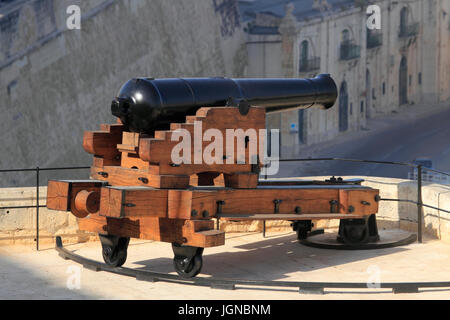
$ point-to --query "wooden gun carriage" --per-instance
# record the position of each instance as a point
(137, 190)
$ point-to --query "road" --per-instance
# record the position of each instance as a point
(397, 137)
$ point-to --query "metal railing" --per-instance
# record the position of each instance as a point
(37, 170)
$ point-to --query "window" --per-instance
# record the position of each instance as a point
(407, 28)
(403, 20)
(304, 55)
(345, 35)
(362, 106)
(308, 62)
(384, 88)
(348, 50)
(419, 78)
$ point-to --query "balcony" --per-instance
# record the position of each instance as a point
(349, 50)
(374, 40)
(409, 30)
(307, 65)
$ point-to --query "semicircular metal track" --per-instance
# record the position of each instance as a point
(303, 287)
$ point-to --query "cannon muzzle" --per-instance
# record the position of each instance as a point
(147, 104)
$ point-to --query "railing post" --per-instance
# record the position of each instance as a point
(264, 228)
(37, 208)
(419, 203)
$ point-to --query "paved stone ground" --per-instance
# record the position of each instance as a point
(27, 274)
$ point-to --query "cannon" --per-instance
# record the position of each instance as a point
(137, 190)
(147, 104)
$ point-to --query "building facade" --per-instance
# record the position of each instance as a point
(406, 61)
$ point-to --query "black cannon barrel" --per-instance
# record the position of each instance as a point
(147, 104)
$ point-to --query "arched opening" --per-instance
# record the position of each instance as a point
(404, 20)
(403, 81)
(345, 35)
(301, 121)
(343, 107)
(368, 94)
(349, 49)
(304, 53)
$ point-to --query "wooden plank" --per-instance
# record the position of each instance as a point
(93, 223)
(103, 143)
(363, 201)
(241, 180)
(201, 233)
(122, 202)
(101, 162)
(310, 216)
(132, 161)
(130, 142)
(315, 200)
(261, 201)
(186, 204)
(131, 177)
(188, 232)
(58, 195)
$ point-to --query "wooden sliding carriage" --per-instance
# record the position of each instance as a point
(136, 190)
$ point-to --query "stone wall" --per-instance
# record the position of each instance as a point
(19, 225)
(56, 83)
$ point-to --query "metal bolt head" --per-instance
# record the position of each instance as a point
(143, 179)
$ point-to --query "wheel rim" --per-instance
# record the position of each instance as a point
(115, 256)
(186, 268)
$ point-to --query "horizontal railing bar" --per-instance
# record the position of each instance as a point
(416, 203)
(42, 169)
(437, 171)
(351, 160)
(23, 207)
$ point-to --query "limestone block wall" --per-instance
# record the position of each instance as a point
(57, 83)
(18, 226)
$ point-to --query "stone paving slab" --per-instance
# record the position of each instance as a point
(27, 274)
